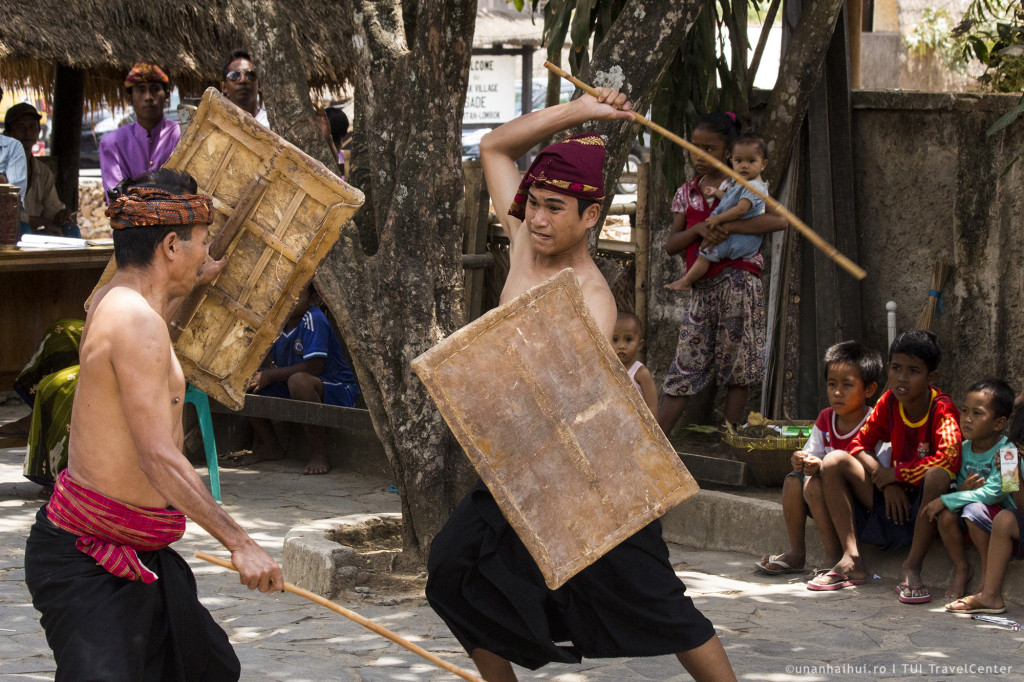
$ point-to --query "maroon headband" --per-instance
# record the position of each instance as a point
(574, 167)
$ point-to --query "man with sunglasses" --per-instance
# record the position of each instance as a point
(242, 86)
(146, 144)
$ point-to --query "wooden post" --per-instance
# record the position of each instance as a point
(527, 79)
(474, 236)
(68, 106)
(854, 26)
(642, 240)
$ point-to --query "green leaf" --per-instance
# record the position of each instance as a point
(580, 29)
(1007, 118)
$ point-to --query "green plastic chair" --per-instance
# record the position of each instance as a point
(202, 404)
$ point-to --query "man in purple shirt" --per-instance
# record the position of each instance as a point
(146, 144)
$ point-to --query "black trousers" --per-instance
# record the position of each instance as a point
(487, 588)
(102, 627)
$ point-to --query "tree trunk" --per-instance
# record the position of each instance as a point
(283, 81)
(800, 71)
(395, 280)
(633, 57)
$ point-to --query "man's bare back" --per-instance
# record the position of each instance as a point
(120, 328)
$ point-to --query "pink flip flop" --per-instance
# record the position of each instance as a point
(903, 588)
(837, 581)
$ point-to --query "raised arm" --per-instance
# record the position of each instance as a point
(500, 148)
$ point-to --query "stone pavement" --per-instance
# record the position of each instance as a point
(773, 628)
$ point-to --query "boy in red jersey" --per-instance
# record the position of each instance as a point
(880, 500)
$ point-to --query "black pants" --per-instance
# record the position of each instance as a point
(487, 588)
(102, 627)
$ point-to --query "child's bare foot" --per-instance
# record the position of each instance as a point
(318, 463)
(679, 285)
(912, 590)
(958, 585)
(853, 568)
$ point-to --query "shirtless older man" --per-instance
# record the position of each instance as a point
(482, 580)
(116, 602)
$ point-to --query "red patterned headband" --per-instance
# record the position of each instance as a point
(144, 72)
(147, 206)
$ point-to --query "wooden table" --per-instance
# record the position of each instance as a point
(36, 288)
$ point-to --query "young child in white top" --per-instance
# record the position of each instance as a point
(627, 340)
(852, 372)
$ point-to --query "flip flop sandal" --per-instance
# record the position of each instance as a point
(840, 581)
(239, 459)
(903, 588)
(971, 605)
(786, 568)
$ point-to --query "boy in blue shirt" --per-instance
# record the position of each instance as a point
(306, 364)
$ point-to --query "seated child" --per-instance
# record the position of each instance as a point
(879, 502)
(979, 495)
(627, 340)
(749, 158)
(852, 372)
(306, 364)
(1005, 543)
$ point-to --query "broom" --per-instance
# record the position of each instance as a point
(933, 308)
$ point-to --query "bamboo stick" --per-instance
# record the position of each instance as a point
(822, 245)
(362, 620)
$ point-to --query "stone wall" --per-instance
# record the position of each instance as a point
(928, 187)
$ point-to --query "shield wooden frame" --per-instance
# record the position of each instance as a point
(556, 429)
(277, 212)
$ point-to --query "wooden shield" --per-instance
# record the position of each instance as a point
(555, 427)
(277, 214)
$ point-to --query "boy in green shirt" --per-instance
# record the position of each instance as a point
(979, 492)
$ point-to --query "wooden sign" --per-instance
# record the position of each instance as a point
(555, 427)
(277, 212)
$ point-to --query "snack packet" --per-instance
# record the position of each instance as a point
(1008, 468)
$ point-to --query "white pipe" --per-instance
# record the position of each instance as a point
(891, 322)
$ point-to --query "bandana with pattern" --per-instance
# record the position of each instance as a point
(144, 72)
(147, 206)
(574, 167)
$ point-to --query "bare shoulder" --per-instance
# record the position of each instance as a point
(122, 315)
(599, 299)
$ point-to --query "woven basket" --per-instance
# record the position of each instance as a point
(767, 458)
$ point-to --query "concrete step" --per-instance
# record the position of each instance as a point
(719, 521)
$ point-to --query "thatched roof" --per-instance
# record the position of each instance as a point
(189, 40)
(507, 27)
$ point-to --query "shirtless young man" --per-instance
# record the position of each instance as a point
(116, 602)
(482, 581)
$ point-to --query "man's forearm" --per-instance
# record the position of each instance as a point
(518, 136)
(174, 478)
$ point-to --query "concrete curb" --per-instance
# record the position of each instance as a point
(314, 560)
(717, 521)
